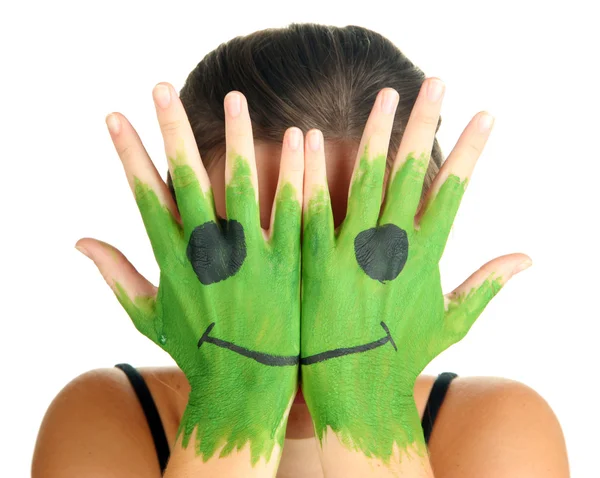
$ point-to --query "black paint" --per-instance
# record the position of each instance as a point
(350, 350)
(217, 251)
(265, 359)
(382, 251)
(285, 360)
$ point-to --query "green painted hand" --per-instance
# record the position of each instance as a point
(235, 336)
(227, 308)
(373, 311)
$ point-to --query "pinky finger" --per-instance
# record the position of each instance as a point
(466, 303)
(135, 293)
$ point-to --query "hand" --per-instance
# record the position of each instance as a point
(373, 311)
(227, 307)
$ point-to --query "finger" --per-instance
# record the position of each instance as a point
(190, 181)
(465, 303)
(444, 196)
(286, 214)
(135, 293)
(156, 205)
(241, 183)
(405, 185)
(318, 230)
(366, 186)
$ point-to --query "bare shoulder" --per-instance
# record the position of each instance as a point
(487, 426)
(496, 427)
(96, 427)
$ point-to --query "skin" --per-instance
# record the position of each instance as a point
(233, 352)
(362, 403)
(504, 411)
(344, 304)
(225, 383)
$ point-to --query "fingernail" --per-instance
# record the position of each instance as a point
(234, 104)
(113, 123)
(522, 266)
(485, 122)
(294, 139)
(83, 251)
(434, 90)
(162, 95)
(390, 97)
(315, 140)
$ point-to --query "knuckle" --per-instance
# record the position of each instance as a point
(473, 148)
(143, 192)
(171, 126)
(370, 184)
(183, 177)
(237, 135)
(315, 163)
(379, 142)
(427, 119)
(126, 152)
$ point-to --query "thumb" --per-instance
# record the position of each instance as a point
(466, 303)
(135, 293)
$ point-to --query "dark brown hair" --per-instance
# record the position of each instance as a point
(305, 75)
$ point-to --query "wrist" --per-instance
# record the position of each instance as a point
(377, 430)
(225, 415)
(239, 463)
(373, 411)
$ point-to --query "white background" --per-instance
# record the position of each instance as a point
(66, 65)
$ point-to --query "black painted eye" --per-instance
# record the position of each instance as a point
(217, 251)
(382, 251)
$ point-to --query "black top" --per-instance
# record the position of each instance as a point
(434, 403)
(156, 427)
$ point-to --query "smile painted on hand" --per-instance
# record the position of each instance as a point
(217, 252)
(284, 360)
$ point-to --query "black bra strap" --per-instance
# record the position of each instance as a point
(436, 397)
(156, 427)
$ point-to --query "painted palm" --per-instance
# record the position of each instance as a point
(227, 308)
(373, 311)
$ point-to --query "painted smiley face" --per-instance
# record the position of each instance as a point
(217, 252)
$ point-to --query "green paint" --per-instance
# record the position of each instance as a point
(234, 400)
(367, 398)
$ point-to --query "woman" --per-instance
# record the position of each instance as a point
(359, 362)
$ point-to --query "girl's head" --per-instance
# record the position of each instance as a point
(308, 76)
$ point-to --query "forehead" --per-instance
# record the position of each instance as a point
(339, 158)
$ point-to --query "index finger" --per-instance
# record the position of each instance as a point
(190, 180)
(443, 199)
